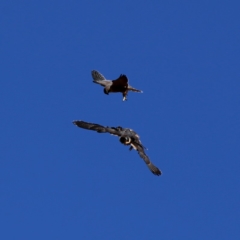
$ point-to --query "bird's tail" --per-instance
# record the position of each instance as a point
(97, 81)
(101, 82)
(97, 75)
(130, 88)
(154, 169)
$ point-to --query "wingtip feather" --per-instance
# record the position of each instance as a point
(154, 169)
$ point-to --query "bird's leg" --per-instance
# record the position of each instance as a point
(124, 96)
(131, 148)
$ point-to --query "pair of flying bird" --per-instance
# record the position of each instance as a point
(126, 135)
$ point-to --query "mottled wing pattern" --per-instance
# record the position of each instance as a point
(97, 75)
(96, 127)
(143, 155)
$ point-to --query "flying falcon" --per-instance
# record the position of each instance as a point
(118, 85)
(126, 136)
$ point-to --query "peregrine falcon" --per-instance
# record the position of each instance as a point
(126, 136)
(118, 85)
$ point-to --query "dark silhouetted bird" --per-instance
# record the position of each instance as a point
(126, 136)
(118, 85)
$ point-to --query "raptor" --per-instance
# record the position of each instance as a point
(114, 86)
(126, 136)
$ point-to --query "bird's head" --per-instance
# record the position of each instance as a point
(125, 140)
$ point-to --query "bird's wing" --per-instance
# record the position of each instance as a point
(96, 127)
(121, 81)
(130, 88)
(97, 75)
(146, 159)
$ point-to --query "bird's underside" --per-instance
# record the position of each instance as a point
(126, 136)
(114, 86)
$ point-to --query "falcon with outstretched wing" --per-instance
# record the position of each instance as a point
(118, 85)
(126, 136)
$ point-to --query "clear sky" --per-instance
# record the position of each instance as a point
(58, 181)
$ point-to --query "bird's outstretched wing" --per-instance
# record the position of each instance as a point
(143, 155)
(130, 88)
(96, 127)
(97, 75)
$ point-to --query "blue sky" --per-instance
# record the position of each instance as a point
(61, 182)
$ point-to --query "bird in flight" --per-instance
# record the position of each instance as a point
(126, 136)
(118, 85)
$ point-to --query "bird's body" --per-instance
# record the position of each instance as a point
(126, 136)
(114, 86)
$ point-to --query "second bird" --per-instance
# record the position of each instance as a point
(118, 85)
